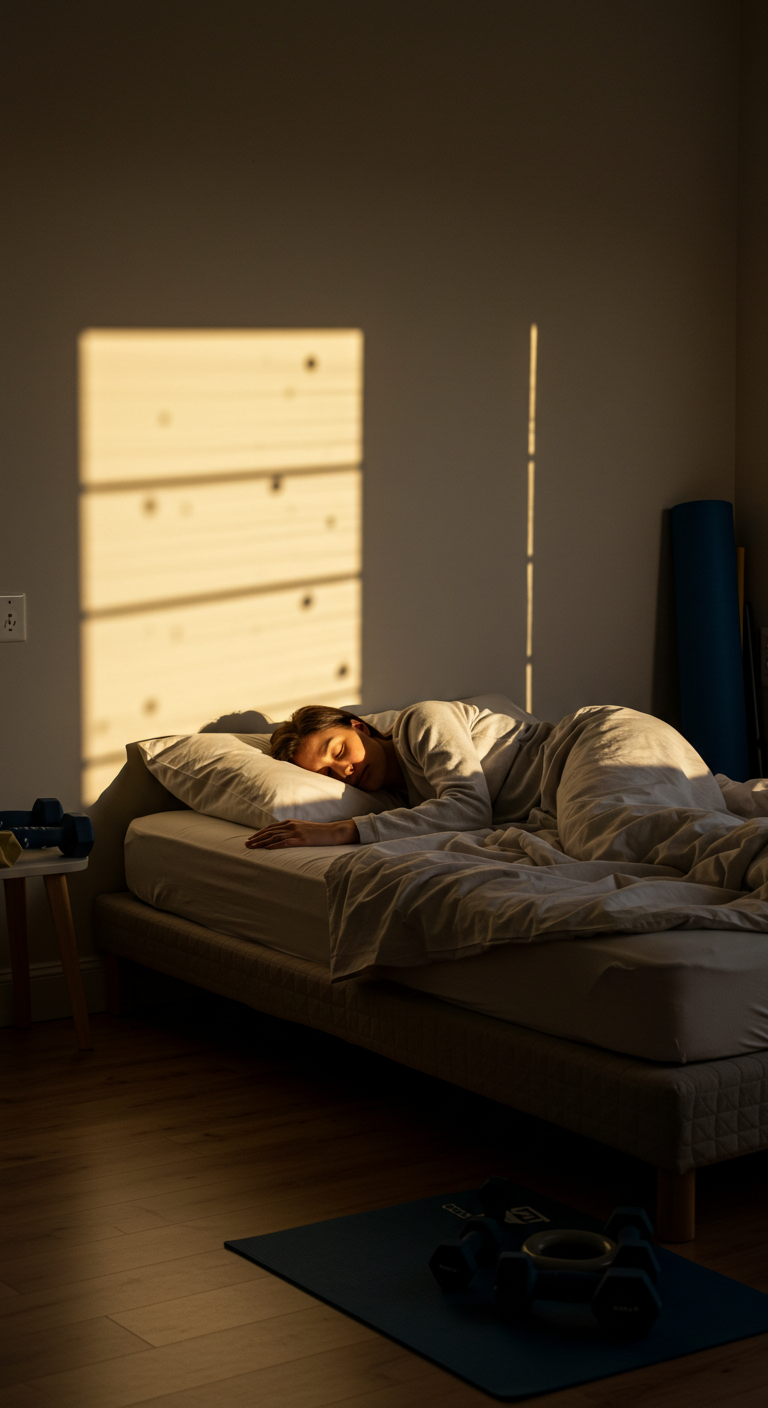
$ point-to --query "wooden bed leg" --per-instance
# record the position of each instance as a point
(118, 986)
(676, 1206)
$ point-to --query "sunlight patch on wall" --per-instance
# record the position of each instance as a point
(532, 364)
(220, 529)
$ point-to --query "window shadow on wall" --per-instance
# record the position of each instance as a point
(220, 518)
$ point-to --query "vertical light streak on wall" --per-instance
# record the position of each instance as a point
(220, 518)
(531, 513)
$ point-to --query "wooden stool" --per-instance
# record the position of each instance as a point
(53, 867)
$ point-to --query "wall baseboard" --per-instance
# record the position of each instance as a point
(49, 991)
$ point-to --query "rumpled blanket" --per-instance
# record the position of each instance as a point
(632, 835)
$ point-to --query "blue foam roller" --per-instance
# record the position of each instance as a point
(709, 635)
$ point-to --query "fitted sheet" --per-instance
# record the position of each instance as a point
(681, 995)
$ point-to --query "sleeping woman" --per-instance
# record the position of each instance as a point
(606, 783)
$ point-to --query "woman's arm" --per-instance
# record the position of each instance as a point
(437, 753)
(303, 833)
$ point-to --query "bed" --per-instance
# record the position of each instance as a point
(656, 1045)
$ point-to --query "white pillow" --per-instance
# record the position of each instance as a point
(232, 776)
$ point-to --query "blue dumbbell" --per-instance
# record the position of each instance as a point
(455, 1261)
(48, 825)
(47, 811)
(632, 1229)
(624, 1301)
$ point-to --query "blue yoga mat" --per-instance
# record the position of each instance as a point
(374, 1266)
(712, 708)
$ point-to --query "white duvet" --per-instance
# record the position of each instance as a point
(632, 834)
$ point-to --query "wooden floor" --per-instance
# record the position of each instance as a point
(124, 1169)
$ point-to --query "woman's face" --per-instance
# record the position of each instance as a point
(351, 754)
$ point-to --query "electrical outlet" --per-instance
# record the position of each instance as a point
(764, 655)
(13, 617)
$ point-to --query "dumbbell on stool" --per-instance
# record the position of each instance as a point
(455, 1262)
(47, 811)
(48, 825)
(623, 1301)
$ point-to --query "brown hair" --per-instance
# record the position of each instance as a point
(312, 718)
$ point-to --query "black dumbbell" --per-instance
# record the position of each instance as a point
(632, 1229)
(623, 1301)
(72, 833)
(496, 1196)
(47, 811)
(623, 1218)
(455, 1262)
(621, 1245)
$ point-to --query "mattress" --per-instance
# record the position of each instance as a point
(678, 996)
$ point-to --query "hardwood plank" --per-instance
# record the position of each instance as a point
(224, 1309)
(256, 1127)
(734, 1374)
(125, 1290)
(318, 1380)
(127, 1252)
(172, 1190)
(162, 1106)
(143, 1152)
(24, 1396)
(272, 1150)
(440, 1387)
(24, 1357)
(26, 1240)
(73, 1224)
(136, 1377)
(76, 1192)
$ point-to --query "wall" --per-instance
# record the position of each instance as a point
(752, 347)
(439, 175)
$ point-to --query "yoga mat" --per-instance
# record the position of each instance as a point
(374, 1266)
(709, 635)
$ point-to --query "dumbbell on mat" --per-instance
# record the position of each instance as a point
(621, 1245)
(455, 1262)
(496, 1196)
(623, 1301)
(48, 825)
(631, 1228)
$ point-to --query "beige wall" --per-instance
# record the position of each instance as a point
(439, 175)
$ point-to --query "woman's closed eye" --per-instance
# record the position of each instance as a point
(336, 756)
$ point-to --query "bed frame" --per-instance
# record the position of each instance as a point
(678, 1118)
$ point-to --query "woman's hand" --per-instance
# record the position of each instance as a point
(304, 833)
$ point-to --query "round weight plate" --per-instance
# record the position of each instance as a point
(563, 1249)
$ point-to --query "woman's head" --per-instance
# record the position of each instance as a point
(336, 743)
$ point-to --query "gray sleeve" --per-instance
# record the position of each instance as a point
(435, 748)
